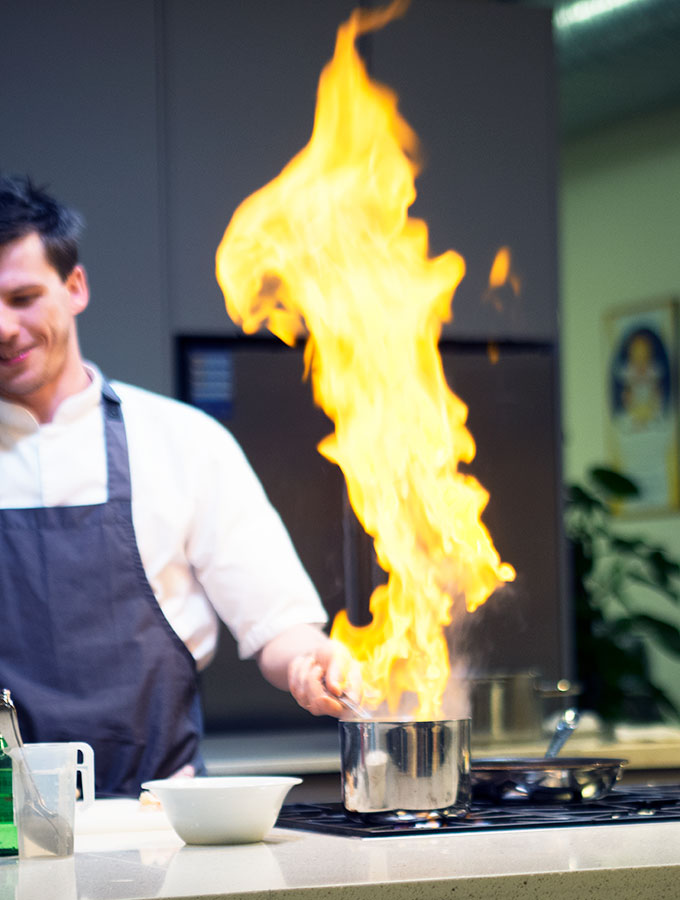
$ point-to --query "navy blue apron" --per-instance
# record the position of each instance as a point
(84, 646)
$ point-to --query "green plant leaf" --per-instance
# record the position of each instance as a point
(628, 545)
(613, 483)
(580, 498)
(650, 581)
(664, 567)
(666, 703)
(665, 634)
(622, 627)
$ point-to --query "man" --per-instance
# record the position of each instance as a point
(128, 523)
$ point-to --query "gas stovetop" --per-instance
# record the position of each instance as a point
(659, 803)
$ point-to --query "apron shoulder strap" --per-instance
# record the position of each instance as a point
(117, 458)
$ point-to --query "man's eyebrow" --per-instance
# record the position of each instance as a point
(24, 288)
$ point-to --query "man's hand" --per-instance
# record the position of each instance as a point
(312, 667)
(313, 678)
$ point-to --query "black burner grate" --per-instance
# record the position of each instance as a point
(658, 803)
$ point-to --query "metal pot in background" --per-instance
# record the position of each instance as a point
(397, 771)
(512, 707)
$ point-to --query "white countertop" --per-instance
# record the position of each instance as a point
(124, 852)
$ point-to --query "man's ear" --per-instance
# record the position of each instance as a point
(79, 289)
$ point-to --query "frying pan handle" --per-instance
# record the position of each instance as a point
(566, 725)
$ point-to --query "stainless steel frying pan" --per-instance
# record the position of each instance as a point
(544, 779)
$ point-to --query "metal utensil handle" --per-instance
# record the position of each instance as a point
(15, 747)
(349, 704)
(9, 724)
(565, 727)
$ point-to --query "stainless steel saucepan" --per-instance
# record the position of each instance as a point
(404, 770)
(511, 707)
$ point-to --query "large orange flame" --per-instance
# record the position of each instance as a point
(327, 250)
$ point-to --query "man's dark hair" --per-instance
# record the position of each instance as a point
(25, 208)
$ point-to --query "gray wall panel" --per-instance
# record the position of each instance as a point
(78, 111)
(240, 92)
(476, 82)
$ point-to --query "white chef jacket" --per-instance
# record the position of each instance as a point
(210, 542)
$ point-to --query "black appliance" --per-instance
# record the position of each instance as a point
(657, 803)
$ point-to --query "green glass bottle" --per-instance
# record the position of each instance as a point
(8, 833)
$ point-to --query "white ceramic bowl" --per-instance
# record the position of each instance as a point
(229, 809)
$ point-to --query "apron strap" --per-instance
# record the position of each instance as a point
(117, 461)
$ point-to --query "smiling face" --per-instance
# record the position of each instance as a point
(40, 361)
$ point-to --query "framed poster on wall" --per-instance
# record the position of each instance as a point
(642, 410)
